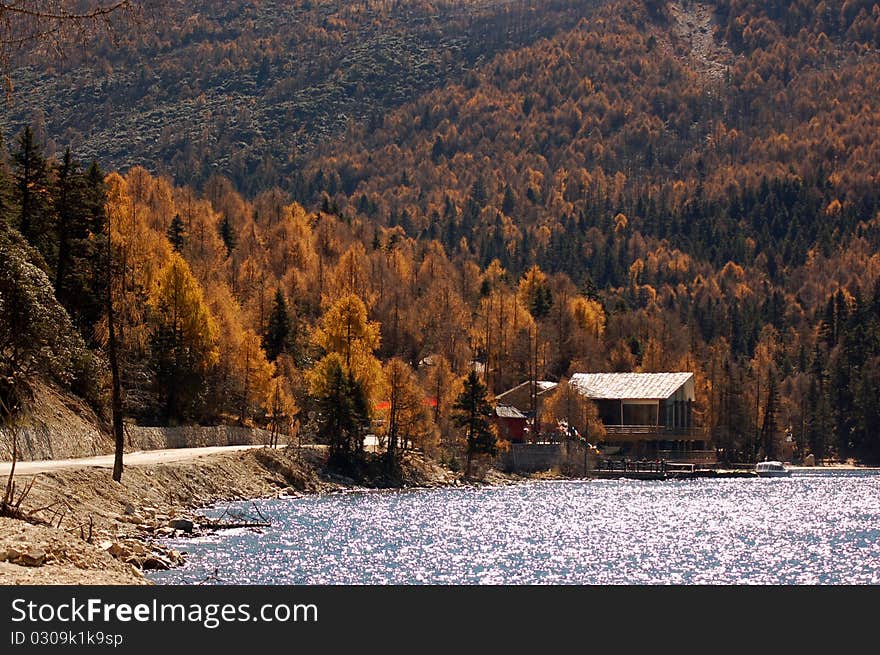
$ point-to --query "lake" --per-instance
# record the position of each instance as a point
(819, 527)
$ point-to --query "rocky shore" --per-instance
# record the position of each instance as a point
(96, 531)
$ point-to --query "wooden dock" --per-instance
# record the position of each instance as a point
(661, 470)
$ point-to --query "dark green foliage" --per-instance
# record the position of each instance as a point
(844, 405)
(91, 257)
(475, 203)
(769, 427)
(472, 413)
(734, 427)
(342, 416)
(818, 419)
(279, 333)
(542, 302)
(227, 233)
(37, 337)
(508, 203)
(81, 273)
(70, 223)
(180, 384)
(34, 196)
(177, 233)
(866, 400)
(438, 149)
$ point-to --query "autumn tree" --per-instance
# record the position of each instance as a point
(252, 375)
(567, 405)
(345, 331)
(586, 320)
(444, 386)
(407, 415)
(535, 293)
(184, 344)
(281, 410)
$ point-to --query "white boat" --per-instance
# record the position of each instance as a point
(772, 470)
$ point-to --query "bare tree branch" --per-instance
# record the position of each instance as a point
(61, 13)
(54, 25)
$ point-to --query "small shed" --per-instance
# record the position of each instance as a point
(511, 423)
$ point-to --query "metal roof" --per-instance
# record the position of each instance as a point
(543, 385)
(508, 411)
(630, 386)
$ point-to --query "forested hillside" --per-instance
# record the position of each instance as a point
(731, 191)
(248, 89)
(588, 186)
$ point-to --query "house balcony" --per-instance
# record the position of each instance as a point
(657, 442)
(625, 433)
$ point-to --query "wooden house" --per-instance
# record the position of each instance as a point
(647, 414)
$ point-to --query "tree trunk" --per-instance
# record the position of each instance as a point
(116, 394)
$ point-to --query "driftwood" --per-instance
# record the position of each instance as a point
(231, 526)
(237, 520)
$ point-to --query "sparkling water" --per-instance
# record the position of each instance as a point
(813, 528)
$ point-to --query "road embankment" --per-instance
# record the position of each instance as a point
(95, 531)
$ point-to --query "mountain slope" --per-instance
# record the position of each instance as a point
(247, 88)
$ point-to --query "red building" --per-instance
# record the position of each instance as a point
(511, 424)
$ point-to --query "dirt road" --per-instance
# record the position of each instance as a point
(139, 458)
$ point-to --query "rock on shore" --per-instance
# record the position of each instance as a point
(34, 554)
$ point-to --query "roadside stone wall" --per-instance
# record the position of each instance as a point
(530, 458)
(71, 439)
(192, 436)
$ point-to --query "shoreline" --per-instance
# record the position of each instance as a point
(833, 467)
(103, 532)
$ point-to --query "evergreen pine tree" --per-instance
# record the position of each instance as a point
(437, 149)
(360, 412)
(841, 402)
(542, 302)
(228, 235)
(508, 203)
(33, 196)
(335, 410)
(473, 413)
(815, 436)
(343, 414)
(278, 334)
(93, 269)
(177, 233)
(72, 228)
(769, 427)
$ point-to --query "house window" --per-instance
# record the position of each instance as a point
(639, 414)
